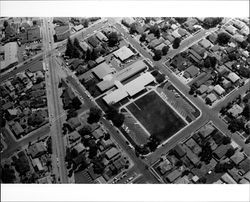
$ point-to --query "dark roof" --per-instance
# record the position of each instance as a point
(198, 49)
(179, 151)
(179, 62)
(222, 150)
(212, 37)
(93, 41)
(245, 165)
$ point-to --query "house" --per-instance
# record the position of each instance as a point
(233, 77)
(191, 156)
(202, 78)
(165, 166)
(9, 55)
(193, 146)
(182, 180)
(182, 32)
(228, 179)
(196, 55)
(202, 89)
(237, 157)
(235, 110)
(62, 32)
(74, 122)
(37, 149)
(93, 41)
(128, 21)
(103, 70)
(245, 165)
(159, 47)
(179, 151)
(112, 153)
(238, 24)
(180, 63)
(234, 172)
(222, 70)
(16, 128)
(211, 97)
(74, 136)
(231, 29)
(173, 175)
(222, 150)
(155, 42)
(212, 37)
(198, 49)
(101, 36)
(226, 83)
(78, 27)
(244, 181)
(123, 53)
(37, 164)
(219, 90)
(247, 176)
(191, 72)
(100, 60)
(176, 34)
(98, 133)
(205, 43)
(150, 37)
(85, 46)
(79, 148)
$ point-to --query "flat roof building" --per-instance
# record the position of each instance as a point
(122, 75)
(123, 53)
(9, 52)
(103, 70)
(62, 32)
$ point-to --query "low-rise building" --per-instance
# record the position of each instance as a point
(62, 32)
(112, 153)
(211, 97)
(103, 70)
(237, 157)
(235, 110)
(123, 53)
(8, 55)
(191, 72)
(37, 149)
(233, 77)
(219, 90)
(173, 175)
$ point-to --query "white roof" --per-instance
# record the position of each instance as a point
(235, 110)
(212, 97)
(78, 27)
(129, 89)
(102, 70)
(123, 53)
(10, 54)
(101, 36)
(138, 84)
(228, 179)
(219, 90)
(233, 77)
(115, 96)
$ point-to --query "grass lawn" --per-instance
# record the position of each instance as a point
(156, 116)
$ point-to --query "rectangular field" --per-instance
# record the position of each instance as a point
(156, 116)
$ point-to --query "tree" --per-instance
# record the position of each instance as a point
(118, 120)
(165, 50)
(133, 29)
(157, 55)
(223, 38)
(94, 115)
(7, 174)
(176, 42)
(5, 23)
(116, 117)
(211, 22)
(192, 89)
(230, 152)
(85, 130)
(181, 20)
(226, 140)
(2, 119)
(248, 38)
(106, 136)
(113, 39)
(76, 103)
(160, 78)
(143, 37)
(154, 29)
(206, 152)
(244, 44)
(246, 112)
(157, 33)
(69, 48)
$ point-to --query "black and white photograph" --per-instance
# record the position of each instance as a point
(126, 99)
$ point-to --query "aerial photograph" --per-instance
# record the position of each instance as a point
(125, 100)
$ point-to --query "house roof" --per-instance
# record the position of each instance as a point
(101, 36)
(196, 55)
(74, 122)
(202, 89)
(231, 29)
(245, 165)
(212, 37)
(176, 34)
(179, 151)
(222, 150)
(61, 29)
(123, 53)
(235, 110)
(198, 49)
(205, 43)
(93, 41)
(102, 70)
(212, 97)
(74, 136)
(228, 179)
(37, 149)
(233, 77)
(173, 175)
(219, 90)
(192, 70)
(237, 157)
(112, 153)
(78, 27)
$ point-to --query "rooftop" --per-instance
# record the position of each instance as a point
(102, 70)
(123, 53)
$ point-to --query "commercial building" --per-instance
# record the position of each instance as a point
(62, 32)
(122, 75)
(123, 53)
(130, 89)
(8, 55)
(103, 70)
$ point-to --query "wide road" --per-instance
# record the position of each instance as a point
(208, 114)
(52, 81)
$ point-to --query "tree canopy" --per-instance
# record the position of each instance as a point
(223, 38)
(94, 115)
(113, 39)
(176, 43)
(157, 55)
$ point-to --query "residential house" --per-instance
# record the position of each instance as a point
(211, 97)
(237, 157)
(62, 32)
(37, 149)
(112, 153)
(222, 150)
(233, 77)
(179, 151)
(219, 90)
(235, 110)
(93, 41)
(173, 175)
(245, 165)
(191, 72)
(205, 43)
(228, 179)
(74, 122)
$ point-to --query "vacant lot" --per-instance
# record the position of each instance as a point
(156, 116)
